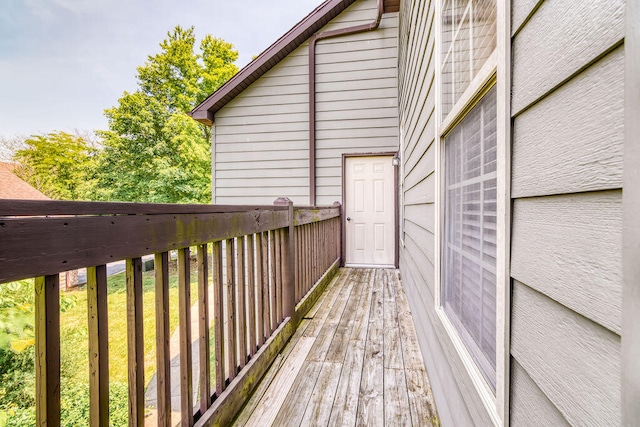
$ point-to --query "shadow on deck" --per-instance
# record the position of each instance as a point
(354, 360)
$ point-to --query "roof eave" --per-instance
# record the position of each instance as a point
(296, 36)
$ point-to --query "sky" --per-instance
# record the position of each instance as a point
(62, 62)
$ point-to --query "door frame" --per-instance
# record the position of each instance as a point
(396, 234)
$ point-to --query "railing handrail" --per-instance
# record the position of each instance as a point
(67, 240)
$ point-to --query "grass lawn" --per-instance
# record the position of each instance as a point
(74, 341)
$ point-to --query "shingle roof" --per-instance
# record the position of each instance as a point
(301, 32)
(12, 187)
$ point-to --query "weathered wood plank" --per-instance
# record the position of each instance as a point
(267, 410)
(231, 345)
(345, 405)
(582, 267)
(75, 242)
(203, 328)
(393, 357)
(371, 405)
(574, 361)
(529, 403)
(184, 315)
(564, 38)
(163, 359)
(47, 331)
(218, 317)
(98, 331)
(318, 409)
(340, 342)
(572, 140)
(295, 404)
(396, 399)
(421, 403)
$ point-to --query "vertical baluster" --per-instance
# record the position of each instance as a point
(242, 315)
(218, 317)
(184, 304)
(47, 314)
(288, 266)
(203, 328)
(307, 256)
(135, 340)
(272, 281)
(259, 290)
(251, 299)
(231, 309)
(277, 263)
(266, 296)
(163, 360)
(296, 252)
(98, 345)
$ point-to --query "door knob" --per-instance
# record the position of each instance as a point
(348, 218)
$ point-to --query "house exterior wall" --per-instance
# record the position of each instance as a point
(261, 138)
(566, 265)
(566, 187)
(456, 399)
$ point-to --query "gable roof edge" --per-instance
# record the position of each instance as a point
(291, 40)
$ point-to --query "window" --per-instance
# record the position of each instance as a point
(469, 187)
(468, 40)
(469, 244)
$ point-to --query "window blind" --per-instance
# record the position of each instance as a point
(469, 261)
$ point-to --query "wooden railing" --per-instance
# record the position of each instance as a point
(267, 264)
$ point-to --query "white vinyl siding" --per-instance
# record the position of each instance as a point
(261, 145)
(469, 255)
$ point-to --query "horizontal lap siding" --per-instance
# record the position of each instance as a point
(457, 400)
(357, 107)
(261, 137)
(567, 107)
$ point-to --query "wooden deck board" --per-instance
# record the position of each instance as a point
(354, 360)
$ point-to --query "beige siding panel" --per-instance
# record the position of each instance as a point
(260, 199)
(254, 106)
(571, 141)
(423, 192)
(357, 58)
(370, 113)
(568, 247)
(261, 156)
(259, 129)
(424, 166)
(243, 120)
(346, 77)
(273, 192)
(423, 215)
(260, 164)
(530, 407)
(261, 173)
(574, 361)
(520, 11)
(560, 39)
(347, 106)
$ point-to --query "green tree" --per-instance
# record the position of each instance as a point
(59, 165)
(153, 151)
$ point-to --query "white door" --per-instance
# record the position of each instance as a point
(370, 211)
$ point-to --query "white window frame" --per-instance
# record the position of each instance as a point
(496, 71)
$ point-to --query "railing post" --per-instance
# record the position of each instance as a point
(288, 273)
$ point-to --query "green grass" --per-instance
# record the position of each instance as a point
(74, 341)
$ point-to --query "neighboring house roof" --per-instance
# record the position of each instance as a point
(12, 187)
(295, 37)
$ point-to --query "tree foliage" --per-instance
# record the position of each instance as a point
(58, 164)
(153, 151)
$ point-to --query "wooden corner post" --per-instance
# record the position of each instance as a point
(288, 270)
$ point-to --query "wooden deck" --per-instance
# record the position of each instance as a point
(354, 360)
